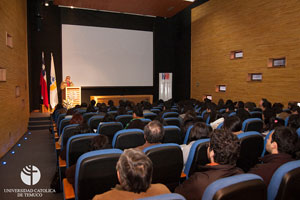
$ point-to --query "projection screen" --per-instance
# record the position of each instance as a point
(100, 57)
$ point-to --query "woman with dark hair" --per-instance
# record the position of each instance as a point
(97, 143)
(233, 124)
(199, 131)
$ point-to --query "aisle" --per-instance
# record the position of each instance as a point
(34, 148)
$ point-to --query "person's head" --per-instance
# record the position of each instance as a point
(76, 119)
(154, 132)
(199, 131)
(277, 107)
(99, 142)
(295, 109)
(265, 104)
(134, 171)
(249, 106)
(93, 102)
(68, 78)
(294, 121)
(240, 104)
(243, 114)
(108, 118)
(110, 103)
(224, 147)
(137, 111)
(232, 124)
(282, 140)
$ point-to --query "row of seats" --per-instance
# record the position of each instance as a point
(90, 178)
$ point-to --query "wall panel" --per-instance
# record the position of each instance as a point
(14, 111)
(262, 30)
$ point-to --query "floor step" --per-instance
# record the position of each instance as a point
(41, 127)
(38, 123)
(38, 118)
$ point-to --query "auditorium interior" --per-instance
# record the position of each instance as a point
(192, 51)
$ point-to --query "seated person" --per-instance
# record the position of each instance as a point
(91, 107)
(281, 145)
(223, 153)
(153, 133)
(134, 170)
(136, 114)
(199, 131)
(233, 124)
(97, 143)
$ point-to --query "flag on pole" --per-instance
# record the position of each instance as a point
(53, 87)
(43, 83)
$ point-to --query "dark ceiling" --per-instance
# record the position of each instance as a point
(160, 8)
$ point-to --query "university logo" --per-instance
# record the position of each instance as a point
(30, 175)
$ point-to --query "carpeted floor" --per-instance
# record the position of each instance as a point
(38, 150)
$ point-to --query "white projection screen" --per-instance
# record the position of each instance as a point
(100, 57)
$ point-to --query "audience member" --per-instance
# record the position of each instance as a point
(91, 107)
(223, 152)
(233, 124)
(153, 133)
(134, 171)
(136, 114)
(199, 131)
(281, 145)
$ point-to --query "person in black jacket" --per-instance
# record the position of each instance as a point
(223, 152)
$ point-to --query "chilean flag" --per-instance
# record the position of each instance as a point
(43, 83)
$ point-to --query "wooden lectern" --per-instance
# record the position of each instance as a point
(72, 95)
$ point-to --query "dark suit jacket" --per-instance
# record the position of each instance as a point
(194, 187)
(270, 163)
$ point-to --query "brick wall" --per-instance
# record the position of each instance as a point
(14, 111)
(263, 29)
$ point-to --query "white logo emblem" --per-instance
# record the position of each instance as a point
(30, 175)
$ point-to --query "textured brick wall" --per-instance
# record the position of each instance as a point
(263, 29)
(14, 111)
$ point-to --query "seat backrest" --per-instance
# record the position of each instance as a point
(78, 145)
(298, 132)
(172, 135)
(167, 162)
(286, 121)
(231, 114)
(252, 144)
(151, 116)
(242, 186)
(128, 138)
(59, 118)
(87, 116)
(69, 131)
(256, 114)
(252, 124)
(187, 135)
(112, 112)
(145, 120)
(172, 121)
(220, 125)
(109, 129)
(197, 156)
(265, 143)
(285, 182)
(170, 114)
(155, 110)
(173, 196)
(96, 173)
(94, 121)
(124, 119)
(62, 125)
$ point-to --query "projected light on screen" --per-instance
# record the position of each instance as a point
(97, 56)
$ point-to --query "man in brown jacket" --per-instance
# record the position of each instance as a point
(134, 170)
(223, 152)
(281, 145)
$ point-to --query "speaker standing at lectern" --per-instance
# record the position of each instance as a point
(66, 83)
